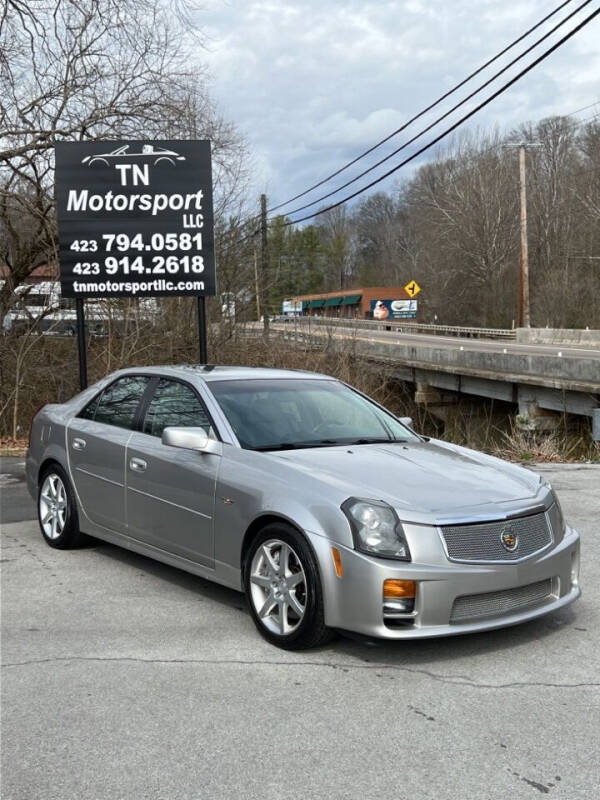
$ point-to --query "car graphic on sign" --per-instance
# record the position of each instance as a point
(149, 154)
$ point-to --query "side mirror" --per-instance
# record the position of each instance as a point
(191, 439)
(407, 421)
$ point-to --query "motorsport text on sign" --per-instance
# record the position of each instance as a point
(135, 218)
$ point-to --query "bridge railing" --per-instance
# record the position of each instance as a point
(408, 327)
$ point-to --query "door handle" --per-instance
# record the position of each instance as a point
(79, 444)
(137, 464)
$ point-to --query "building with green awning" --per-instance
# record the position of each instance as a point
(355, 303)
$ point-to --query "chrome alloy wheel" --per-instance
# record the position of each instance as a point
(278, 587)
(53, 506)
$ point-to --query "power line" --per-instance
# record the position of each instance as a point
(585, 108)
(414, 118)
(574, 124)
(425, 110)
(235, 245)
(455, 125)
(443, 116)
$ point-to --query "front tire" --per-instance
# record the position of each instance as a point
(283, 588)
(57, 510)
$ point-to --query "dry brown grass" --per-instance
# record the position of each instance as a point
(570, 442)
(13, 447)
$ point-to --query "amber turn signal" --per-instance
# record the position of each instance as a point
(337, 562)
(396, 588)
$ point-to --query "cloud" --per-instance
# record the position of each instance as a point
(313, 83)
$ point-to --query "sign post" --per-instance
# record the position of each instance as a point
(135, 219)
(202, 329)
(81, 344)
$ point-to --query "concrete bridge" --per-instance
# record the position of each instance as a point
(543, 377)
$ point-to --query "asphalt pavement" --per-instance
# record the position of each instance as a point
(16, 503)
(125, 678)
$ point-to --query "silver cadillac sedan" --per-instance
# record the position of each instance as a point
(324, 508)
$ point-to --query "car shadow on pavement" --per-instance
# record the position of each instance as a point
(380, 651)
(455, 648)
(173, 575)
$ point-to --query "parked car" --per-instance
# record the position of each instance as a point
(328, 511)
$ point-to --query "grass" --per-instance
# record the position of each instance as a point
(13, 447)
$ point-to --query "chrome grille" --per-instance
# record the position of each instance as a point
(489, 604)
(483, 542)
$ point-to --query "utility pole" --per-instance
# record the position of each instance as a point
(523, 306)
(256, 284)
(264, 263)
(524, 315)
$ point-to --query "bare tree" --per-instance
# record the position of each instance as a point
(335, 231)
(93, 69)
(385, 248)
(463, 209)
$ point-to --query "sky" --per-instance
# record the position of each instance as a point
(312, 83)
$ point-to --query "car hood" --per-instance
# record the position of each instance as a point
(427, 477)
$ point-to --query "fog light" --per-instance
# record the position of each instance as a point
(394, 589)
(337, 562)
(574, 568)
(398, 596)
(392, 608)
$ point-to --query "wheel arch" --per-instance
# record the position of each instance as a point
(257, 525)
(47, 462)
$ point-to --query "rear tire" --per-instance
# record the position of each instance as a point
(283, 588)
(57, 509)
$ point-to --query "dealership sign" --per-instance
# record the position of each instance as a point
(394, 309)
(135, 218)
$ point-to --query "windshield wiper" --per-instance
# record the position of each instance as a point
(276, 446)
(324, 443)
(375, 440)
(299, 445)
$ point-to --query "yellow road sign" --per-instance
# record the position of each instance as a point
(412, 288)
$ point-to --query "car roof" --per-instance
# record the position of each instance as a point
(215, 372)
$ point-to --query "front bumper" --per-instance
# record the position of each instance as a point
(355, 601)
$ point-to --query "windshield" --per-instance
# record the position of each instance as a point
(289, 413)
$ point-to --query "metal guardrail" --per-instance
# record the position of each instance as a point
(410, 327)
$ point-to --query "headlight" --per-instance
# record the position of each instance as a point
(559, 525)
(376, 528)
(557, 519)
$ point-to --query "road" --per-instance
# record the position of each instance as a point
(446, 342)
(127, 679)
(19, 505)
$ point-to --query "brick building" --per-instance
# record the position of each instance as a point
(353, 303)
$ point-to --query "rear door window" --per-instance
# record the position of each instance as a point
(118, 403)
